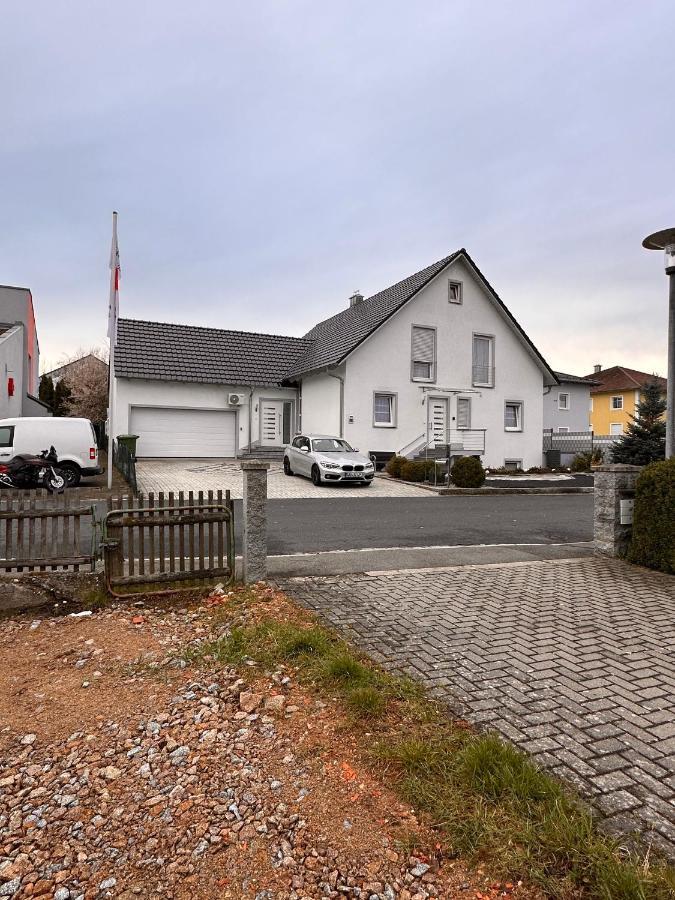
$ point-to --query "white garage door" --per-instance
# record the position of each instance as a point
(165, 431)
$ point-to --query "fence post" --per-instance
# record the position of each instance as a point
(255, 520)
(612, 525)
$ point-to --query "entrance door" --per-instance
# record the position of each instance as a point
(438, 421)
(275, 422)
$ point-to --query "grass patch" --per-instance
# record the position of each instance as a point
(488, 800)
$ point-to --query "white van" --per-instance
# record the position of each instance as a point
(73, 439)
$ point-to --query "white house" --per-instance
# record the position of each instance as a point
(435, 359)
(567, 406)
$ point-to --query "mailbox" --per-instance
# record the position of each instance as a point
(626, 511)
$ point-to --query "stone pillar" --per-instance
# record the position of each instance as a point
(255, 520)
(613, 483)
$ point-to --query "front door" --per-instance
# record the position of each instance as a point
(438, 421)
(275, 422)
(271, 422)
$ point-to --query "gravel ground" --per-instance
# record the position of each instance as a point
(125, 773)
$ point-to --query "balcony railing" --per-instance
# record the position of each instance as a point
(483, 376)
(467, 440)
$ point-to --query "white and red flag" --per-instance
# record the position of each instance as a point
(115, 272)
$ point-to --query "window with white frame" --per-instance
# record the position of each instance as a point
(616, 428)
(617, 402)
(423, 356)
(454, 291)
(563, 401)
(483, 365)
(563, 429)
(463, 412)
(384, 410)
(513, 416)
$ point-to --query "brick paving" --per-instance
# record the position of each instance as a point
(156, 475)
(573, 661)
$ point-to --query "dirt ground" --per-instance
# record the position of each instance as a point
(127, 772)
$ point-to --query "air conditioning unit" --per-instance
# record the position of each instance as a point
(235, 399)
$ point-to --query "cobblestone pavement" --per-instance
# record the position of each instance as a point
(204, 475)
(572, 660)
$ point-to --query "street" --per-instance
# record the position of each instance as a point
(306, 526)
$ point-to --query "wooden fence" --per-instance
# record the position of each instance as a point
(168, 537)
(40, 532)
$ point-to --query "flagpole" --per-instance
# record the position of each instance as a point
(112, 334)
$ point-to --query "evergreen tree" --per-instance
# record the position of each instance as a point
(62, 394)
(645, 440)
(46, 390)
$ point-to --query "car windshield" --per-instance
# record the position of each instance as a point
(331, 445)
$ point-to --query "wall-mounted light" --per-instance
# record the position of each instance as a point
(351, 420)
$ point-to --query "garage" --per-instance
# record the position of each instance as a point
(169, 431)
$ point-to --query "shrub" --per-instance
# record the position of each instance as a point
(582, 462)
(418, 470)
(394, 465)
(468, 472)
(653, 538)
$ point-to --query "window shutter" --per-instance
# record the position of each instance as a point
(423, 340)
(463, 413)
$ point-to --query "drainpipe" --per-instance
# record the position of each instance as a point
(342, 401)
(250, 416)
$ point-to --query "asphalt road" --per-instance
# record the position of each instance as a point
(306, 526)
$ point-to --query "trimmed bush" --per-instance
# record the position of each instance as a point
(394, 464)
(468, 472)
(418, 470)
(582, 462)
(653, 539)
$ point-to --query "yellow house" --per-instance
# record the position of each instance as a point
(615, 399)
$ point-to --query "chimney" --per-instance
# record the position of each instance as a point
(356, 297)
(597, 367)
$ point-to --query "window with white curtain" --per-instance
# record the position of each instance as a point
(463, 412)
(513, 416)
(384, 410)
(483, 360)
(423, 358)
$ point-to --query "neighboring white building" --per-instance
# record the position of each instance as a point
(435, 359)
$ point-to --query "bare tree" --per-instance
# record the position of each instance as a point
(86, 375)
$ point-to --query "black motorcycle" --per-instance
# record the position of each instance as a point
(27, 471)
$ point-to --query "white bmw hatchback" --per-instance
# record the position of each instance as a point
(324, 459)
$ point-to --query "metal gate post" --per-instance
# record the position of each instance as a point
(255, 520)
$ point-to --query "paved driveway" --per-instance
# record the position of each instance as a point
(156, 475)
(572, 660)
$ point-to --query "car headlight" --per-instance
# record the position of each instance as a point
(329, 465)
(369, 466)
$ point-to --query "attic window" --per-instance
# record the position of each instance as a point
(454, 291)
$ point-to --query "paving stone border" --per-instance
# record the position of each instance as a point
(573, 661)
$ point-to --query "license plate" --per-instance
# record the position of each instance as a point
(352, 475)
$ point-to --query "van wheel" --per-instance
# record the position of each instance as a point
(71, 473)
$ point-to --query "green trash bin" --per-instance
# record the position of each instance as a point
(128, 441)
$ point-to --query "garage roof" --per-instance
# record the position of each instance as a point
(168, 352)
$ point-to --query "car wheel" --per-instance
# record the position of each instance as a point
(287, 467)
(316, 476)
(71, 473)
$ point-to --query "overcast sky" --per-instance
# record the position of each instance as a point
(268, 158)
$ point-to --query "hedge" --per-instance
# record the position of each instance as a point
(653, 539)
(468, 472)
(418, 470)
(394, 465)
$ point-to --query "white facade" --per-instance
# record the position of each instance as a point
(382, 365)
(567, 407)
(135, 399)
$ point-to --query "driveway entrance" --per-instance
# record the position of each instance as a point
(571, 660)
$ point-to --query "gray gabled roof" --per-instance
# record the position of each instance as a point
(575, 379)
(160, 350)
(335, 338)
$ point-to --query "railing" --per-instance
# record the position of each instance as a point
(125, 461)
(483, 376)
(415, 445)
(467, 440)
(40, 532)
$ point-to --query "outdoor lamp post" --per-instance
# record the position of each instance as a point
(665, 240)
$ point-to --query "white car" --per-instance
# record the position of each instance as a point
(73, 439)
(325, 458)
